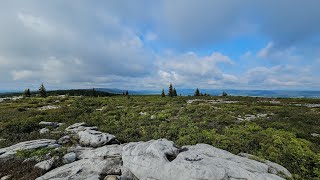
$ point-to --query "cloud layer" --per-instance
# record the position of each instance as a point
(146, 45)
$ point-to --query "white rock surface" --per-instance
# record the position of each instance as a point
(273, 167)
(44, 130)
(7, 177)
(9, 152)
(69, 157)
(114, 150)
(46, 164)
(94, 138)
(160, 159)
(77, 127)
(85, 169)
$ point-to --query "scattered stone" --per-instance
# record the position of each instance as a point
(77, 127)
(49, 107)
(142, 113)
(1, 139)
(44, 130)
(153, 117)
(9, 152)
(162, 160)
(45, 165)
(7, 177)
(53, 124)
(64, 140)
(69, 158)
(94, 138)
(315, 135)
(219, 101)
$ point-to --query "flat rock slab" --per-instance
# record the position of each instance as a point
(91, 169)
(102, 152)
(77, 127)
(162, 160)
(9, 152)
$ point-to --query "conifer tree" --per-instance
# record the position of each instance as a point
(163, 94)
(224, 94)
(27, 93)
(175, 92)
(42, 91)
(197, 92)
(94, 92)
(170, 91)
(127, 93)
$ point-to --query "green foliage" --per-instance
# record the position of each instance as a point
(27, 93)
(162, 93)
(175, 92)
(197, 92)
(170, 91)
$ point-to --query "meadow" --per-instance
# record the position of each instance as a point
(282, 130)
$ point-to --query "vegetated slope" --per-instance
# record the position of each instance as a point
(280, 130)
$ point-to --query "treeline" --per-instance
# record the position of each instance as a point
(172, 92)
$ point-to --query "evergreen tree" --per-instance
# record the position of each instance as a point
(27, 93)
(224, 94)
(197, 92)
(163, 94)
(94, 92)
(127, 93)
(42, 91)
(170, 91)
(175, 92)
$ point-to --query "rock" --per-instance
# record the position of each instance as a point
(142, 113)
(153, 117)
(94, 138)
(85, 169)
(274, 168)
(114, 150)
(161, 159)
(111, 177)
(9, 152)
(45, 165)
(7, 177)
(78, 149)
(43, 108)
(315, 135)
(77, 127)
(44, 130)
(53, 124)
(69, 157)
(64, 140)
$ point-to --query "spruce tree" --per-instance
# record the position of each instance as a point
(94, 92)
(42, 91)
(27, 93)
(175, 92)
(170, 91)
(163, 94)
(197, 92)
(127, 93)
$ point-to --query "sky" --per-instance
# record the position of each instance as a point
(143, 44)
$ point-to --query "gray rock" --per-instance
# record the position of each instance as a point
(315, 135)
(111, 177)
(7, 177)
(94, 138)
(53, 124)
(114, 150)
(161, 159)
(9, 152)
(64, 140)
(46, 164)
(77, 127)
(69, 157)
(274, 168)
(85, 169)
(44, 130)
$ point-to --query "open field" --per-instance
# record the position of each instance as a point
(285, 131)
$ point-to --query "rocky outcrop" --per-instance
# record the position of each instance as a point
(10, 151)
(46, 164)
(69, 158)
(161, 159)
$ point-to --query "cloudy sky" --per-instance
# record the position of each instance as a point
(142, 44)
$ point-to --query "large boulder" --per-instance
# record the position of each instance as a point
(46, 164)
(94, 138)
(161, 159)
(9, 152)
(102, 152)
(93, 169)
